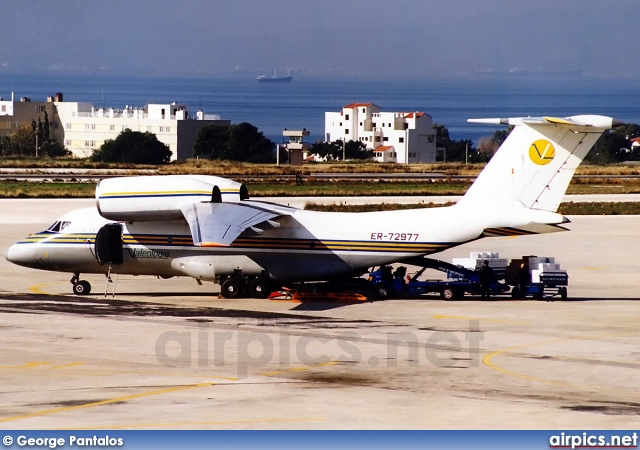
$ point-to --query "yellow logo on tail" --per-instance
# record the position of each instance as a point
(542, 152)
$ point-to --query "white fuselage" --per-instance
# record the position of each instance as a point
(308, 245)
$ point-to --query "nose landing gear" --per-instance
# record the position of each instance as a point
(80, 287)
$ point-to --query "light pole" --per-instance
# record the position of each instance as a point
(406, 146)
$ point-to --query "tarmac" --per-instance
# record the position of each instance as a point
(170, 354)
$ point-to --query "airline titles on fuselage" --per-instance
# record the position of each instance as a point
(394, 236)
(148, 254)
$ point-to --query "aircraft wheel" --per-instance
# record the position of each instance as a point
(81, 288)
(259, 288)
(381, 290)
(231, 287)
(448, 294)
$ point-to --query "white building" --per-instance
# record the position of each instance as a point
(86, 128)
(82, 128)
(402, 137)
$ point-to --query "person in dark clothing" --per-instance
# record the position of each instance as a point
(486, 278)
(386, 273)
(523, 279)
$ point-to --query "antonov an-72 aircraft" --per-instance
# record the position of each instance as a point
(206, 227)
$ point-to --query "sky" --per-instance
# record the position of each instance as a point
(324, 38)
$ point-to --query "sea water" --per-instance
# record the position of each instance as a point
(271, 107)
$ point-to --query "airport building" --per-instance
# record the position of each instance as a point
(401, 137)
(82, 128)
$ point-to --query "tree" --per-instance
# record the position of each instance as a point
(331, 150)
(459, 150)
(454, 150)
(334, 150)
(29, 140)
(39, 136)
(133, 147)
(486, 148)
(23, 141)
(615, 146)
(357, 150)
(211, 140)
(53, 149)
(242, 142)
(442, 135)
(499, 136)
(246, 143)
(46, 129)
(488, 145)
(5, 145)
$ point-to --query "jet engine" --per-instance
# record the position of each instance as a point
(146, 198)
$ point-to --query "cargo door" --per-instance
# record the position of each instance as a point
(108, 244)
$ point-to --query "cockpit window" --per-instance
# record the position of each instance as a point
(55, 227)
(58, 226)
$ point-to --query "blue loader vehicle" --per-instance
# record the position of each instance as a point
(387, 282)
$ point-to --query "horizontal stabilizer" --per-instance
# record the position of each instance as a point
(595, 121)
(219, 224)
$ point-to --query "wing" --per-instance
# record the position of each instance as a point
(219, 224)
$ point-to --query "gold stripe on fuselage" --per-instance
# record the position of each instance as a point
(129, 194)
(246, 243)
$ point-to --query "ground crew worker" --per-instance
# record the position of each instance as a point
(486, 279)
(522, 279)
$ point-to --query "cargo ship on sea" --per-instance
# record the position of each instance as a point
(275, 78)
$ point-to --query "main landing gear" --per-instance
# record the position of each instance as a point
(80, 287)
(235, 286)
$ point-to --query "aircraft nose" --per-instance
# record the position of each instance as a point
(21, 255)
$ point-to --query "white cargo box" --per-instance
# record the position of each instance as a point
(476, 263)
(535, 260)
(484, 255)
(546, 267)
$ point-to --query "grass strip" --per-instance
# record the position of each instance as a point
(25, 189)
(232, 168)
(567, 208)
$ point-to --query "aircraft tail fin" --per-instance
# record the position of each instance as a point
(533, 167)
